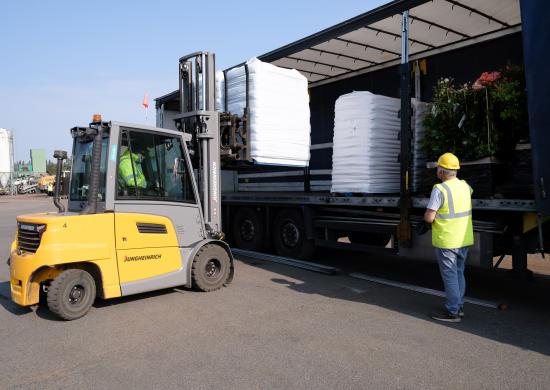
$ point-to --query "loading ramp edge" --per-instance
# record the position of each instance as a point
(307, 265)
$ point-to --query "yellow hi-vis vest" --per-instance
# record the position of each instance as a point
(452, 226)
(126, 172)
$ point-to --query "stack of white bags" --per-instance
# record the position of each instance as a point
(366, 144)
(279, 127)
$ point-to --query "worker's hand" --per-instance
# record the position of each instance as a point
(422, 228)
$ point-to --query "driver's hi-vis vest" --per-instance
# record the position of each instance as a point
(126, 172)
(452, 227)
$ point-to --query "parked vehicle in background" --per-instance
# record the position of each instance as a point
(45, 183)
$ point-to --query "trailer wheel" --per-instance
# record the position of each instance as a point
(367, 238)
(71, 294)
(211, 268)
(248, 229)
(289, 235)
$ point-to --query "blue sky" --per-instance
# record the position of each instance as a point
(62, 61)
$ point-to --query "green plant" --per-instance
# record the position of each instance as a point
(485, 118)
(510, 107)
(455, 123)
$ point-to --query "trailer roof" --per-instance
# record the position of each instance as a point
(372, 40)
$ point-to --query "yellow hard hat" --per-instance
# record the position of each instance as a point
(448, 161)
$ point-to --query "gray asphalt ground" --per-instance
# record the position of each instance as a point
(278, 327)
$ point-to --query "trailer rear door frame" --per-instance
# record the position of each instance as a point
(536, 45)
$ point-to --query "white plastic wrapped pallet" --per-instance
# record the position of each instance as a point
(279, 127)
(366, 145)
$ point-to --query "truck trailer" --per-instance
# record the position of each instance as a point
(400, 49)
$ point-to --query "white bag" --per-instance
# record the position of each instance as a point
(279, 127)
(366, 144)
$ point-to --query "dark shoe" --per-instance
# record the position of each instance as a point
(461, 312)
(445, 316)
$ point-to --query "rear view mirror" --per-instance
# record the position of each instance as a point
(179, 166)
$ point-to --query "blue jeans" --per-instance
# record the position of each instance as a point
(451, 266)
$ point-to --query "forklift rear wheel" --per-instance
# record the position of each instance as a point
(71, 294)
(248, 229)
(211, 268)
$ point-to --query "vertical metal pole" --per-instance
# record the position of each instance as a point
(519, 255)
(405, 38)
(404, 228)
(211, 82)
(519, 258)
(196, 104)
(186, 86)
(181, 78)
(13, 190)
(205, 180)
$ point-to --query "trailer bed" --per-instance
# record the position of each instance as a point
(326, 198)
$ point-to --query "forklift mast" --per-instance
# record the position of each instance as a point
(198, 117)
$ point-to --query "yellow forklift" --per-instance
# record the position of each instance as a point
(143, 210)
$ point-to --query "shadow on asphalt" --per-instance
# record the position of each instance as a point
(6, 302)
(525, 324)
(100, 303)
(43, 312)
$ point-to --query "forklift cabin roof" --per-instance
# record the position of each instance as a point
(372, 40)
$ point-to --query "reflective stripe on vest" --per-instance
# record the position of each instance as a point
(452, 227)
(452, 213)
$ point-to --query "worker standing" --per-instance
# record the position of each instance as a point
(49, 191)
(449, 211)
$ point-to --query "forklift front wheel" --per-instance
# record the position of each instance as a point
(211, 268)
(71, 294)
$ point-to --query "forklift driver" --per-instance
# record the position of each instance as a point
(130, 172)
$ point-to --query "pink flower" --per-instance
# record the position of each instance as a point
(485, 79)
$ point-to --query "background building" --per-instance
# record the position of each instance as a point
(38, 160)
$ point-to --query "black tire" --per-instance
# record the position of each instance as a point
(211, 268)
(71, 294)
(289, 235)
(368, 238)
(248, 229)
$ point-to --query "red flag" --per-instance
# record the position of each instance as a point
(145, 101)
